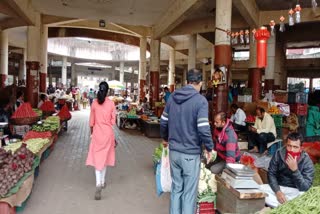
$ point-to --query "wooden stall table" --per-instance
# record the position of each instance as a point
(240, 201)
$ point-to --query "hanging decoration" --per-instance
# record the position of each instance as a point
(253, 35)
(272, 24)
(291, 20)
(233, 39)
(241, 37)
(298, 15)
(262, 35)
(247, 36)
(237, 37)
(314, 4)
(282, 26)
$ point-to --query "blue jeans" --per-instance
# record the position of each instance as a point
(260, 140)
(185, 172)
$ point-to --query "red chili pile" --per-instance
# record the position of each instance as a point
(34, 134)
(64, 113)
(47, 106)
(23, 111)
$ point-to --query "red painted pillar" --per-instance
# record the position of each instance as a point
(43, 82)
(171, 88)
(33, 82)
(3, 80)
(268, 84)
(222, 58)
(142, 91)
(254, 82)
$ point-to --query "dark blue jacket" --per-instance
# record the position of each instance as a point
(184, 122)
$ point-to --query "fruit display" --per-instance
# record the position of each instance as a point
(23, 111)
(47, 106)
(274, 110)
(37, 111)
(250, 119)
(132, 113)
(13, 167)
(64, 113)
(34, 134)
(13, 147)
(36, 144)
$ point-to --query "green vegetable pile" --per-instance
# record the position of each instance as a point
(13, 147)
(306, 203)
(37, 111)
(316, 179)
(52, 123)
(157, 154)
(36, 144)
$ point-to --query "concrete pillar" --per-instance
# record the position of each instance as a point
(33, 61)
(255, 74)
(23, 68)
(154, 71)
(4, 58)
(122, 72)
(270, 69)
(184, 77)
(64, 71)
(280, 80)
(74, 75)
(222, 52)
(172, 70)
(44, 58)
(142, 67)
(204, 77)
(192, 53)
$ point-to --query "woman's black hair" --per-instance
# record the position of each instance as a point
(103, 91)
(43, 97)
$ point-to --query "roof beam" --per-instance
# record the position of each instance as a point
(307, 15)
(137, 30)
(249, 11)
(176, 14)
(24, 10)
(204, 25)
(168, 41)
(57, 20)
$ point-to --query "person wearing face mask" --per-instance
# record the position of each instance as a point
(226, 143)
(290, 172)
(262, 133)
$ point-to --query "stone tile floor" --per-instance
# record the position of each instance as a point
(66, 186)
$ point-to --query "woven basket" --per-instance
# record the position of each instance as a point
(24, 121)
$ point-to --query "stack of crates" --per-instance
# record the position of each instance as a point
(298, 105)
(278, 123)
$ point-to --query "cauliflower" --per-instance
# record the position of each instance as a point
(202, 187)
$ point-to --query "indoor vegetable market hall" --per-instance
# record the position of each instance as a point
(159, 107)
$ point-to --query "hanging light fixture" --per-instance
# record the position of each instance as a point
(272, 24)
(282, 26)
(291, 20)
(298, 15)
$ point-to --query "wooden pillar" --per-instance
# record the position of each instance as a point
(254, 82)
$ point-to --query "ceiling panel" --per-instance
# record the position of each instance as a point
(282, 4)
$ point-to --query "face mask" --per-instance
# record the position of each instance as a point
(293, 154)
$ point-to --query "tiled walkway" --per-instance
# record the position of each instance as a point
(66, 186)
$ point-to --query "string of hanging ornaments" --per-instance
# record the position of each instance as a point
(243, 36)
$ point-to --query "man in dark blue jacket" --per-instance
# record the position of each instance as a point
(290, 172)
(185, 125)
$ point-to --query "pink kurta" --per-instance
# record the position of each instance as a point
(101, 151)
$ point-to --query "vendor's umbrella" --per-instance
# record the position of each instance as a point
(115, 84)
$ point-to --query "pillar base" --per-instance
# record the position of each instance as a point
(142, 93)
(43, 81)
(172, 88)
(268, 84)
(220, 100)
(254, 82)
(3, 78)
(154, 87)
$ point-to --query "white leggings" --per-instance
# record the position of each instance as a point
(100, 176)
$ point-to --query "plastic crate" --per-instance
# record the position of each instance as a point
(299, 109)
(277, 119)
(23, 205)
(292, 97)
(206, 208)
(274, 147)
(279, 132)
(302, 120)
(302, 98)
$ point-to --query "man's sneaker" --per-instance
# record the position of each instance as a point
(97, 195)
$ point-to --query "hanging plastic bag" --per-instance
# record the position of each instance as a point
(163, 175)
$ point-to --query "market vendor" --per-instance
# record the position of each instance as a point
(290, 172)
(262, 133)
(238, 118)
(20, 99)
(145, 105)
(43, 98)
(226, 143)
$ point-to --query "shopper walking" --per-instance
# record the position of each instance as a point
(101, 151)
(185, 125)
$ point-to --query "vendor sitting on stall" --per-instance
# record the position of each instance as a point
(43, 98)
(145, 105)
(226, 143)
(262, 133)
(290, 172)
(238, 118)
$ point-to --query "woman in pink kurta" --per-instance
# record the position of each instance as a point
(101, 151)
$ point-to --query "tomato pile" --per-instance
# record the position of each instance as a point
(23, 111)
